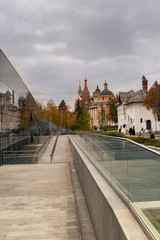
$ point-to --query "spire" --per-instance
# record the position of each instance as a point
(85, 85)
(105, 85)
(80, 89)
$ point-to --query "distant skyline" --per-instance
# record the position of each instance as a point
(54, 44)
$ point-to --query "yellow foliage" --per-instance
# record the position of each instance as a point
(152, 100)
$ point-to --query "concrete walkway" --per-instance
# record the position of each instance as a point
(44, 201)
(46, 156)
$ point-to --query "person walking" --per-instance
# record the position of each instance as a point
(130, 131)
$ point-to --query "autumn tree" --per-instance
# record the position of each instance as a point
(152, 100)
(78, 109)
(51, 112)
(27, 111)
(72, 120)
(38, 112)
(84, 120)
(78, 112)
(112, 116)
(102, 120)
(63, 114)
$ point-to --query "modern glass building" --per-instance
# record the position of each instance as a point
(18, 109)
(15, 98)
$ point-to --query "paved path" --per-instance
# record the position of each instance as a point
(43, 201)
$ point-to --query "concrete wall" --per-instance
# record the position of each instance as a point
(39, 139)
(111, 219)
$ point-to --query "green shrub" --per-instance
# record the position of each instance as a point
(115, 134)
(105, 128)
(109, 128)
(146, 141)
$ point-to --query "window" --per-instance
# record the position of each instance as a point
(141, 120)
(148, 124)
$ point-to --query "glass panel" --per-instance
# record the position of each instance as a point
(144, 168)
(133, 169)
(17, 109)
(154, 216)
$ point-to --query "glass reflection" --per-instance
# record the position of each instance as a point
(18, 111)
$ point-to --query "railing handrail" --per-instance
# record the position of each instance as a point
(54, 146)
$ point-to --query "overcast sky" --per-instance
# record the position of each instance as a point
(54, 43)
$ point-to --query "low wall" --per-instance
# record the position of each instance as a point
(39, 139)
(157, 136)
(110, 217)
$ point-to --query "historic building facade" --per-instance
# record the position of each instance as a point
(100, 99)
(94, 103)
(9, 113)
(83, 97)
(132, 113)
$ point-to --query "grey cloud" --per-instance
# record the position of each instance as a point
(57, 42)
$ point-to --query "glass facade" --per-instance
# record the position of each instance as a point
(18, 110)
(132, 170)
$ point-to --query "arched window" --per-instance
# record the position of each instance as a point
(148, 124)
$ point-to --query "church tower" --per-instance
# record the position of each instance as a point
(83, 97)
(86, 94)
(105, 85)
(80, 92)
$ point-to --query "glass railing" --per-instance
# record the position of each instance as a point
(133, 170)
